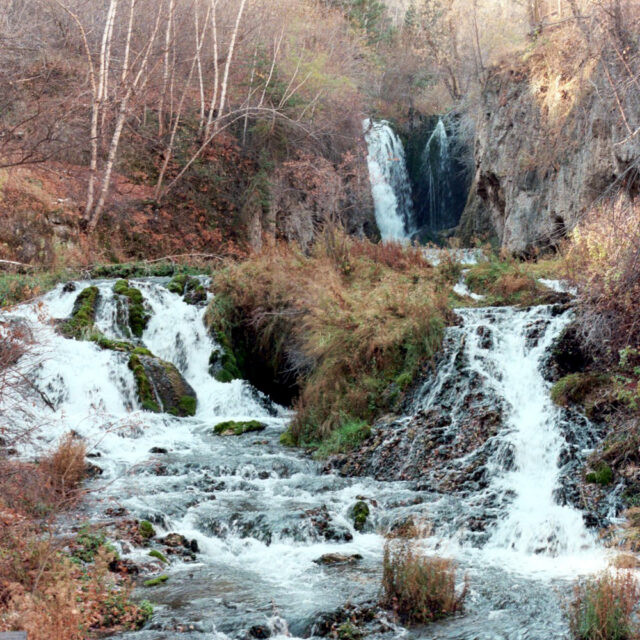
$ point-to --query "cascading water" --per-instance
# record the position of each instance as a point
(390, 185)
(437, 166)
(478, 458)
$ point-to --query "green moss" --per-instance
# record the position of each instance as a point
(187, 405)
(83, 315)
(144, 270)
(349, 631)
(156, 581)
(189, 287)
(287, 439)
(404, 380)
(87, 543)
(138, 315)
(344, 439)
(178, 283)
(154, 553)
(603, 475)
(145, 390)
(574, 388)
(360, 513)
(231, 427)
(146, 529)
(223, 365)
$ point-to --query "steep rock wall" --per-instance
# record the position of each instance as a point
(548, 145)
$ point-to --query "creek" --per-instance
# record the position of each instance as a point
(262, 514)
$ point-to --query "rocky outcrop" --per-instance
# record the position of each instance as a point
(548, 144)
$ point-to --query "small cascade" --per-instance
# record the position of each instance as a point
(437, 166)
(390, 185)
(507, 353)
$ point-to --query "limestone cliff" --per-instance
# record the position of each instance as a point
(548, 145)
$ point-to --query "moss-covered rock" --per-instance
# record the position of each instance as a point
(161, 387)
(138, 314)
(146, 529)
(223, 365)
(243, 354)
(189, 287)
(360, 514)
(575, 387)
(232, 428)
(154, 553)
(156, 581)
(80, 323)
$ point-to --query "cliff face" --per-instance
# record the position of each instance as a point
(548, 145)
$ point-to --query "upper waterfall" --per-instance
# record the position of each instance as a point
(390, 185)
(438, 174)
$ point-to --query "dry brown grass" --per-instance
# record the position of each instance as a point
(351, 320)
(41, 590)
(65, 467)
(419, 588)
(604, 259)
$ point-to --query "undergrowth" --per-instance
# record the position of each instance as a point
(51, 587)
(352, 324)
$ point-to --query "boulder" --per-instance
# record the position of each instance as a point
(161, 387)
(332, 559)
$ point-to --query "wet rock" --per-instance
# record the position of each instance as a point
(567, 355)
(92, 470)
(320, 524)
(174, 540)
(486, 341)
(332, 559)
(357, 619)
(360, 514)
(124, 567)
(259, 631)
(159, 450)
(161, 387)
(69, 287)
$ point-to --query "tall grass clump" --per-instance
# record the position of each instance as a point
(419, 588)
(602, 607)
(351, 324)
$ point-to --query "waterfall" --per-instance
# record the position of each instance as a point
(437, 169)
(505, 349)
(390, 185)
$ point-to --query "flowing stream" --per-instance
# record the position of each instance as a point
(262, 514)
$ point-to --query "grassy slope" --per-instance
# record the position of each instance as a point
(357, 320)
